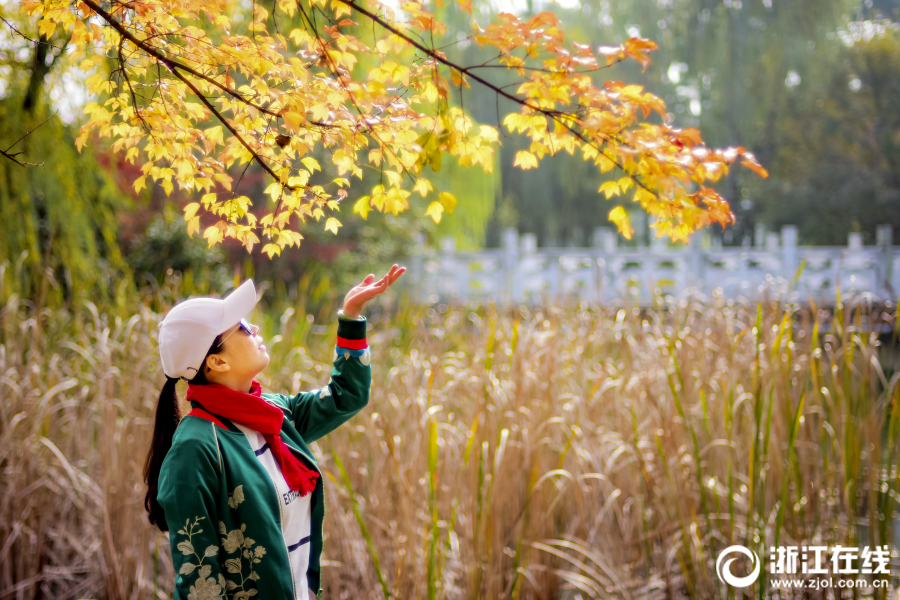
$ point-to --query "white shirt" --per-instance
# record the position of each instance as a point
(296, 513)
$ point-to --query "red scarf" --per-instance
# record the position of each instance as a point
(252, 411)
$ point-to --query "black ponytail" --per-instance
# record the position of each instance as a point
(168, 415)
(167, 418)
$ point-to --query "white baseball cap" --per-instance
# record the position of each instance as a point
(190, 328)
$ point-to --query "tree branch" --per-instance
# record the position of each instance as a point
(551, 114)
(225, 122)
(12, 156)
(172, 65)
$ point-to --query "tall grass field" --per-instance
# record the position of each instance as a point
(522, 453)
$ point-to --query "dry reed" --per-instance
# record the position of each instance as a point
(525, 453)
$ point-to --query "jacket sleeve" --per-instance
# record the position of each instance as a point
(318, 412)
(188, 488)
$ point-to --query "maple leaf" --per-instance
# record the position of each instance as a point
(620, 218)
(287, 97)
(525, 159)
(434, 211)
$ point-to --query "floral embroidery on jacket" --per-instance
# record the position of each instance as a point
(206, 588)
(236, 497)
(235, 541)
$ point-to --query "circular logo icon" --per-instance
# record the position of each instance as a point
(724, 570)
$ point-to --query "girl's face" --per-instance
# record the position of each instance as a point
(242, 357)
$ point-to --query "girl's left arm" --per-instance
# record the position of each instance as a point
(318, 412)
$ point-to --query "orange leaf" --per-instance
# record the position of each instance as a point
(755, 166)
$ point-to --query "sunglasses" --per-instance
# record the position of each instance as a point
(247, 327)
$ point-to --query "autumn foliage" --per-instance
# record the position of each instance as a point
(192, 95)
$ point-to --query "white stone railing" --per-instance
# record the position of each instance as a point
(520, 272)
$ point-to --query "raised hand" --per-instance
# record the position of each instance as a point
(356, 299)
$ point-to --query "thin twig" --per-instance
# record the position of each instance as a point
(173, 65)
(12, 156)
(554, 115)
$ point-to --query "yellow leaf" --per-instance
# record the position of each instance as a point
(643, 196)
(448, 200)
(606, 165)
(310, 163)
(271, 250)
(489, 134)
(213, 235)
(140, 183)
(361, 207)
(525, 159)
(46, 27)
(394, 178)
(458, 79)
(214, 134)
(184, 167)
(293, 120)
(190, 210)
(224, 179)
(434, 211)
(320, 112)
(625, 184)
(423, 186)
(610, 188)
(300, 179)
(514, 122)
(620, 218)
(193, 226)
(274, 190)
(94, 80)
(401, 74)
(332, 225)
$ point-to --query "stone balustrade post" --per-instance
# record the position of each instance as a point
(418, 279)
(696, 261)
(884, 239)
(788, 251)
(604, 246)
(452, 274)
(510, 264)
(759, 235)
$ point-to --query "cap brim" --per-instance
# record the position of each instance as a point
(238, 304)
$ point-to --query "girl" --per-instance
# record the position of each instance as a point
(235, 483)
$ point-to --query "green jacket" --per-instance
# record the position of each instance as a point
(220, 503)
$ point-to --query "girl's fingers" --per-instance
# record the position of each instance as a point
(368, 290)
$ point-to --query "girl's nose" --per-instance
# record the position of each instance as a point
(255, 329)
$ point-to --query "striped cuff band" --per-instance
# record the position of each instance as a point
(351, 334)
(352, 344)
